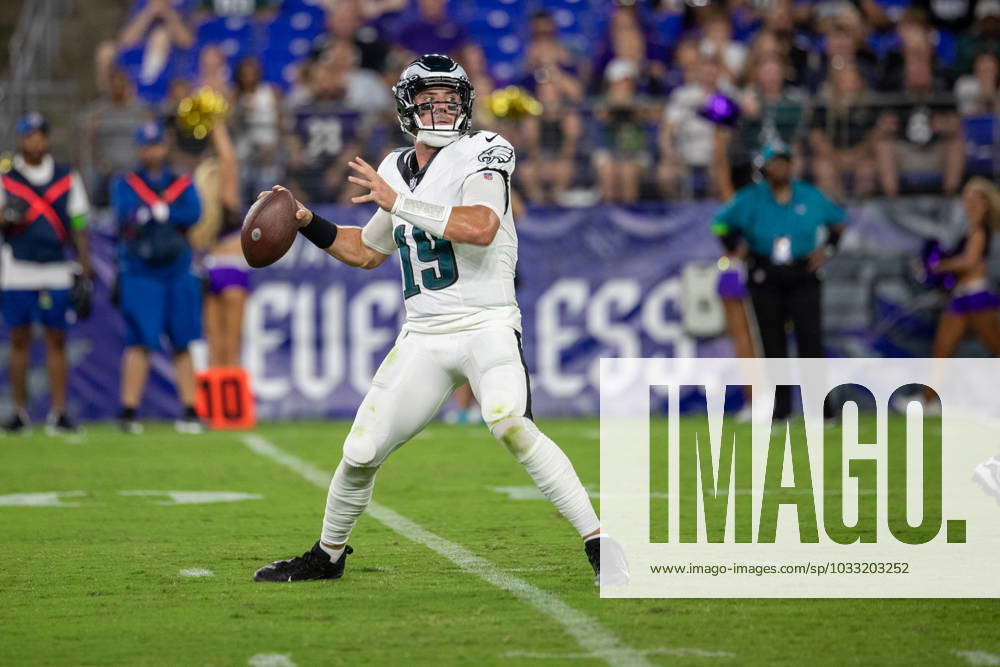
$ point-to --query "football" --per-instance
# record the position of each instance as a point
(269, 228)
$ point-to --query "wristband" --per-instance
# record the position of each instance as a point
(429, 217)
(321, 232)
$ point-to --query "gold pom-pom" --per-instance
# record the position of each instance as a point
(512, 102)
(198, 113)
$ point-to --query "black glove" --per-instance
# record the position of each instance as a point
(81, 296)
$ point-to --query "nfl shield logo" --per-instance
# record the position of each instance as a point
(488, 176)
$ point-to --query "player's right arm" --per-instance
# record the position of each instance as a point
(352, 245)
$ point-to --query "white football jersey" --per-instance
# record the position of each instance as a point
(450, 287)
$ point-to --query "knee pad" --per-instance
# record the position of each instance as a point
(359, 447)
(518, 434)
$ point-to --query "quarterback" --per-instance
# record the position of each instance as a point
(444, 206)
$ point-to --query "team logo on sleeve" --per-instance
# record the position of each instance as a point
(496, 155)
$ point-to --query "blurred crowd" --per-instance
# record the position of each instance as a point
(605, 101)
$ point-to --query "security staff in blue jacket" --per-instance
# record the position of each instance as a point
(158, 291)
(786, 229)
(43, 213)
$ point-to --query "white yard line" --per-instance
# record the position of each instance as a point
(596, 640)
(271, 660)
(978, 657)
(196, 572)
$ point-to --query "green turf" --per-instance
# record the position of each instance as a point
(99, 584)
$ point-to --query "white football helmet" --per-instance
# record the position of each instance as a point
(430, 71)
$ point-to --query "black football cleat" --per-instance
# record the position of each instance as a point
(615, 571)
(313, 564)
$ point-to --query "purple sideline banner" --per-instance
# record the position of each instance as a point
(594, 282)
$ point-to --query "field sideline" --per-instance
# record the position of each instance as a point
(486, 575)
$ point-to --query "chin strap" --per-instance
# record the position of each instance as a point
(437, 138)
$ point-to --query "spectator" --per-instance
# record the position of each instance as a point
(105, 57)
(159, 294)
(770, 111)
(717, 42)
(257, 122)
(546, 58)
(152, 44)
(167, 109)
(627, 40)
(683, 66)
(156, 14)
(778, 33)
(213, 70)
(915, 37)
(983, 37)
(840, 135)
(474, 62)
(687, 139)
(875, 14)
(979, 92)
(549, 145)
(433, 31)
(922, 134)
(345, 21)
(43, 209)
(843, 46)
(325, 132)
(621, 154)
(365, 89)
(108, 127)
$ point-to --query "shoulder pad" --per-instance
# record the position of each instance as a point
(489, 149)
(389, 161)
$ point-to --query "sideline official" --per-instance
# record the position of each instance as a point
(786, 229)
(158, 291)
(43, 211)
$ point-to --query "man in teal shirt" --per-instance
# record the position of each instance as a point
(785, 230)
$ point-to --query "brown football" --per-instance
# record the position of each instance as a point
(269, 228)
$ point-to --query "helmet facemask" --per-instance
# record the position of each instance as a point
(438, 134)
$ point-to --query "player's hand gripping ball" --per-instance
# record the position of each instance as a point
(269, 227)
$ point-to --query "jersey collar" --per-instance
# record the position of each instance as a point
(406, 163)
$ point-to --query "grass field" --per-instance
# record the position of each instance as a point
(96, 580)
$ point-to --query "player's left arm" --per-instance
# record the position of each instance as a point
(475, 224)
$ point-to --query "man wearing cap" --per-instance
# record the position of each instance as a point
(158, 291)
(43, 209)
(786, 229)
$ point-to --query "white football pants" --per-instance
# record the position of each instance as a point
(415, 379)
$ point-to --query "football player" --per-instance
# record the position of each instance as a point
(444, 206)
